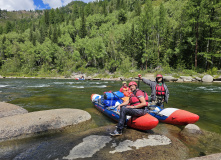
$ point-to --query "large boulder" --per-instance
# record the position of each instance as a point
(42, 121)
(7, 109)
(207, 78)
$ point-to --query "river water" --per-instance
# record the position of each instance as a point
(203, 99)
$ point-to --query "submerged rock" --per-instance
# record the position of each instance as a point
(191, 129)
(7, 109)
(42, 121)
(216, 156)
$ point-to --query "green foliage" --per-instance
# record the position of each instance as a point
(122, 17)
(212, 71)
(188, 72)
(115, 36)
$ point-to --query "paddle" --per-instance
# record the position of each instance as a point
(139, 80)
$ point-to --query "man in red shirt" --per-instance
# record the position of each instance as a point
(135, 106)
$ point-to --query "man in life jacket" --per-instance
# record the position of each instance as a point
(135, 106)
(159, 90)
(124, 89)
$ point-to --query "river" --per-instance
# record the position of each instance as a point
(203, 99)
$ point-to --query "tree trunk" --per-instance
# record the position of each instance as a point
(158, 47)
(207, 50)
(196, 48)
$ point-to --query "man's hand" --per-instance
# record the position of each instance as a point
(129, 106)
(140, 76)
(118, 108)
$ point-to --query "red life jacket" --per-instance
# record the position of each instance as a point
(134, 100)
(125, 89)
(160, 90)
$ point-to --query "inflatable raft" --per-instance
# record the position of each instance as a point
(79, 79)
(173, 115)
(108, 107)
(167, 115)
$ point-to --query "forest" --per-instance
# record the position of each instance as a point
(113, 36)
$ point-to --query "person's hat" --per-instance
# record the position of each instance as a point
(132, 83)
(124, 82)
(159, 76)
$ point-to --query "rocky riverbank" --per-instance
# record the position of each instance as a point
(167, 78)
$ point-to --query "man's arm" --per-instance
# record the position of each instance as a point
(142, 104)
(147, 81)
(122, 104)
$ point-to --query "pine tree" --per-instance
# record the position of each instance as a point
(161, 28)
(31, 35)
(193, 20)
(50, 32)
(144, 35)
(83, 30)
(42, 34)
(137, 8)
(3, 39)
(122, 17)
(55, 35)
(105, 8)
(46, 17)
(8, 27)
(57, 16)
(1, 30)
(52, 16)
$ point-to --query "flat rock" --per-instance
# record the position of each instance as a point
(169, 79)
(198, 78)
(179, 80)
(7, 109)
(218, 79)
(207, 78)
(42, 121)
(186, 78)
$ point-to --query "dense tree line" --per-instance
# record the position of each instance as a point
(114, 35)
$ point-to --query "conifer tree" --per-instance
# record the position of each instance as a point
(8, 27)
(1, 30)
(52, 16)
(83, 30)
(137, 8)
(55, 35)
(46, 17)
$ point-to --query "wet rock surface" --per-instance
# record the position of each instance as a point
(98, 144)
(32, 123)
(209, 157)
(7, 109)
(163, 142)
